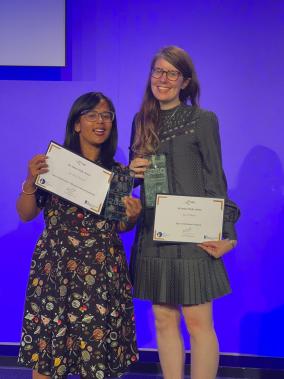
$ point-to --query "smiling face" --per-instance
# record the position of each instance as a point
(164, 90)
(94, 133)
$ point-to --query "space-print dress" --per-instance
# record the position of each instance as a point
(79, 314)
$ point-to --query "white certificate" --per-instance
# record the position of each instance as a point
(74, 178)
(188, 218)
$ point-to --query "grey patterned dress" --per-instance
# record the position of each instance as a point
(183, 273)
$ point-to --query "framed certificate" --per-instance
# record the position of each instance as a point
(188, 219)
(75, 178)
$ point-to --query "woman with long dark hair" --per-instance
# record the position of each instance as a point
(180, 278)
(79, 313)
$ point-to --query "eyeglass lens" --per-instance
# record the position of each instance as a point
(171, 75)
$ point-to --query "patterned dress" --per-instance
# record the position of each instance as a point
(183, 273)
(79, 315)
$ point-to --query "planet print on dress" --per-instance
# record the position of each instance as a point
(79, 316)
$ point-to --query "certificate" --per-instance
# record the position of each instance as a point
(74, 178)
(188, 219)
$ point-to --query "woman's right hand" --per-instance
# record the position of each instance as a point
(37, 165)
(26, 204)
(139, 166)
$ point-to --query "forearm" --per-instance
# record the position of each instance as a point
(26, 204)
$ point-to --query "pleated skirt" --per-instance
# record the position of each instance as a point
(174, 280)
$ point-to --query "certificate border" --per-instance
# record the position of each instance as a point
(159, 196)
(53, 144)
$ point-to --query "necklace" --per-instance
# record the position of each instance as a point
(170, 116)
(175, 111)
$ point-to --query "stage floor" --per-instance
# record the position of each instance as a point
(22, 373)
(231, 367)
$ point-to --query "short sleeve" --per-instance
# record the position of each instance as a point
(41, 198)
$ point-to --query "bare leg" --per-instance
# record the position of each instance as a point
(203, 341)
(170, 342)
(36, 375)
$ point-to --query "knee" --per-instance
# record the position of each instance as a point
(196, 326)
(166, 319)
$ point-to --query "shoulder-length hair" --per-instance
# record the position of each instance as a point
(146, 140)
(85, 103)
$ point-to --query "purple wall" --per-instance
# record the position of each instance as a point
(237, 47)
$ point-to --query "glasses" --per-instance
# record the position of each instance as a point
(172, 75)
(94, 116)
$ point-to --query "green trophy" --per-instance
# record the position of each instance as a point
(155, 178)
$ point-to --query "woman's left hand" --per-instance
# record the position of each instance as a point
(133, 208)
(217, 248)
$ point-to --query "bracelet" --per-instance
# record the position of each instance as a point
(25, 192)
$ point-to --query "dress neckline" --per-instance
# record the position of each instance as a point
(171, 110)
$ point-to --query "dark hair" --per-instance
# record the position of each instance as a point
(147, 119)
(87, 102)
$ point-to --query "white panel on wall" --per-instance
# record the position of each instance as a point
(32, 33)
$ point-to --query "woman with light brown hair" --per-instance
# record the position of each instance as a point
(180, 278)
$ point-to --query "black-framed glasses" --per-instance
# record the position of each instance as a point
(94, 116)
(172, 75)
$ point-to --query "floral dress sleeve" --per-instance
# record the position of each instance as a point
(41, 198)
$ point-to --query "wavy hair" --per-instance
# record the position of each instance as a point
(146, 140)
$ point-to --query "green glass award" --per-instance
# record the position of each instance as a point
(155, 178)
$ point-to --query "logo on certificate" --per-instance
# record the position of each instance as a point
(208, 238)
(89, 204)
(161, 235)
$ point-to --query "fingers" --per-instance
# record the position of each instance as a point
(209, 249)
(139, 166)
(133, 207)
(37, 165)
(216, 248)
(140, 162)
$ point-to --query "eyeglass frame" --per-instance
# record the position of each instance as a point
(166, 72)
(84, 113)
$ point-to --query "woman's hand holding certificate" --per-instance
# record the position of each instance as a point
(75, 178)
(37, 166)
(218, 248)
